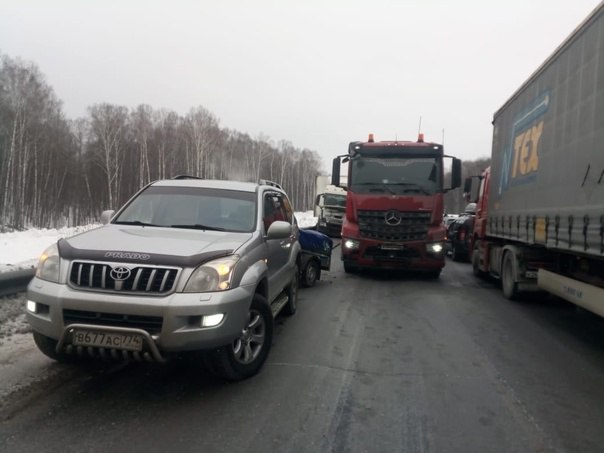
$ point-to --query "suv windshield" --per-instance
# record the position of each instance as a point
(395, 175)
(192, 207)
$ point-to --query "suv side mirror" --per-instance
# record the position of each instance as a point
(106, 216)
(279, 230)
(456, 173)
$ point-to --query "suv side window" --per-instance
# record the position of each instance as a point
(276, 207)
(287, 210)
(269, 211)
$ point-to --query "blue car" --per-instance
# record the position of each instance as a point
(316, 256)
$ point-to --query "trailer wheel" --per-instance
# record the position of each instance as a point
(310, 274)
(508, 282)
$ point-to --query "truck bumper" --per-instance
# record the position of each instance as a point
(173, 322)
(329, 228)
(405, 256)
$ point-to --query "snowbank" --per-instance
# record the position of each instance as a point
(21, 249)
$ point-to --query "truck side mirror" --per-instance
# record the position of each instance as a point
(470, 190)
(467, 190)
(456, 173)
(335, 172)
(467, 186)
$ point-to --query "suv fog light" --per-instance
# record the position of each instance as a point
(351, 244)
(31, 306)
(435, 247)
(212, 320)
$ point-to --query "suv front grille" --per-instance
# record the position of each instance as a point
(413, 226)
(142, 279)
(151, 324)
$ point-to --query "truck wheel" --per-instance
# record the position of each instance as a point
(292, 295)
(48, 347)
(349, 268)
(244, 357)
(310, 274)
(455, 253)
(508, 284)
(476, 262)
(434, 274)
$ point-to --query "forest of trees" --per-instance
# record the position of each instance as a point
(56, 171)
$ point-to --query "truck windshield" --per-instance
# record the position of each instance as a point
(395, 175)
(335, 200)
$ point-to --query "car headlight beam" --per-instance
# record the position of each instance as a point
(351, 244)
(215, 275)
(49, 264)
(435, 247)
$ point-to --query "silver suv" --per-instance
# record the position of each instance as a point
(186, 265)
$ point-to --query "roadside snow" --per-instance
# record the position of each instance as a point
(20, 250)
(306, 219)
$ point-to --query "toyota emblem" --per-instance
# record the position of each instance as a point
(393, 218)
(120, 274)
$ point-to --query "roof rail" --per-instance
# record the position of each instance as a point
(266, 182)
(185, 177)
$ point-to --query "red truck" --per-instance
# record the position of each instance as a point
(394, 205)
(540, 206)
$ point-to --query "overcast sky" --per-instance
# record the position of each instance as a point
(317, 73)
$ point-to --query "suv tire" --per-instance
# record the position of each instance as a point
(292, 295)
(244, 357)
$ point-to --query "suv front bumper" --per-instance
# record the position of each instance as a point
(176, 317)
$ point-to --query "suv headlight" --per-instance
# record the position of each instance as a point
(48, 264)
(215, 275)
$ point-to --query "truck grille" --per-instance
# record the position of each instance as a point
(118, 277)
(151, 324)
(413, 226)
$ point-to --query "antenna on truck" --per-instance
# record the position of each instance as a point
(419, 128)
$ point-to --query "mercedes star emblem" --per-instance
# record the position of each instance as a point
(393, 218)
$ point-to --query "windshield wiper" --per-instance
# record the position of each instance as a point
(134, 222)
(198, 226)
(382, 187)
(416, 186)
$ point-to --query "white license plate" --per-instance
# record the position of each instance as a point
(127, 341)
(387, 246)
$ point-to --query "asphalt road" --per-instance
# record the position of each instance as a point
(370, 363)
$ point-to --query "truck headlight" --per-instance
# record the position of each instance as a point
(351, 244)
(435, 247)
(215, 275)
(48, 264)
